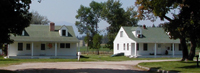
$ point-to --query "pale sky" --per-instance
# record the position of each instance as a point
(63, 12)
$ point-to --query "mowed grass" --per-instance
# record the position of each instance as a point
(177, 66)
(91, 57)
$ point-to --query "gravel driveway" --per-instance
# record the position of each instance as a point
(80, 67)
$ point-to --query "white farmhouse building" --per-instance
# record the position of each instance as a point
(44, 41)
(146, 42)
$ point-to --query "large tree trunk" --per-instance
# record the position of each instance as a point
(192, 49)
(184, 49)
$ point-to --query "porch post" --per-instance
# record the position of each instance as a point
(79, 47)
(55, 49)
(135, 49)
(173, 50)
(155, 50)
(32, 49)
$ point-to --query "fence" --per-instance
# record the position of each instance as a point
(95, 52)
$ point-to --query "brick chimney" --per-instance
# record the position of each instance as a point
(52, 26)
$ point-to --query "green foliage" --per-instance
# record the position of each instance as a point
(184, 25)
(97, 41)
(89, 17)
(14, 18)
(116, 16)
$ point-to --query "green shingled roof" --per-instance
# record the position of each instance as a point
(151, 35)
(42, 33)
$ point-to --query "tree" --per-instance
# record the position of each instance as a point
(97, 42)
(14, 18)
(89, 17)
(116, 16)
(39, 19)
(184, 24)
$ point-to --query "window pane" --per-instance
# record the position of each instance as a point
(127, 46)
(20, 46)
(63, 32)
(67, 45)
(42, 46)
(124, 46)
(137, 46)
(117, 46)
(145, 47)
(28, 46)
(62, 45)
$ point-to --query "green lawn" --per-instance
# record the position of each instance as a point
(6, 62)
(183, 67)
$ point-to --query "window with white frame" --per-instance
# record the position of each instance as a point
(145, 47)
(124, 46)
(42, 46)
(64, 45)
(117, 46)
(28, 46)
(20, 46)
(63, 32)
(127, 46)
(137, 46)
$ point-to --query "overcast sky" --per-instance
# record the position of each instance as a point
(63, 12)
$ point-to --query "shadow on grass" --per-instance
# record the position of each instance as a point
(83, 70)
(188, 62)
(189, 67)
(7, 71)
(158, 69)
(81, 56)
(8, 60)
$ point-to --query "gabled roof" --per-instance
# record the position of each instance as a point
(42, 33)
(151, 35)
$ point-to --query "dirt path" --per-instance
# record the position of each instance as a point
(80, 67)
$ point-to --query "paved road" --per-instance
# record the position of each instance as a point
(80, 67)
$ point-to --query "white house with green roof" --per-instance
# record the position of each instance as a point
(146, 42)
(44, 41)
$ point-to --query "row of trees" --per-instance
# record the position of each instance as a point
(183, 25)
(110, 11)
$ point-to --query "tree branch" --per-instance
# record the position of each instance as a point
(169, 19)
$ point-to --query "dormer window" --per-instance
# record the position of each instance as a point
(63, 32)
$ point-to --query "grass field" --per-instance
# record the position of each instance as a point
(6, 62)
(178, 66)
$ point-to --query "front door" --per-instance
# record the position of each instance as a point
(42, 50)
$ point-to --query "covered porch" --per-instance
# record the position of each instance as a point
(153, 50)
(44, 50)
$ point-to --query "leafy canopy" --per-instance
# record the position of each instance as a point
(14, 18)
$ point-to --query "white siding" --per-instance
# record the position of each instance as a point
(121, 41)
(13, 49)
